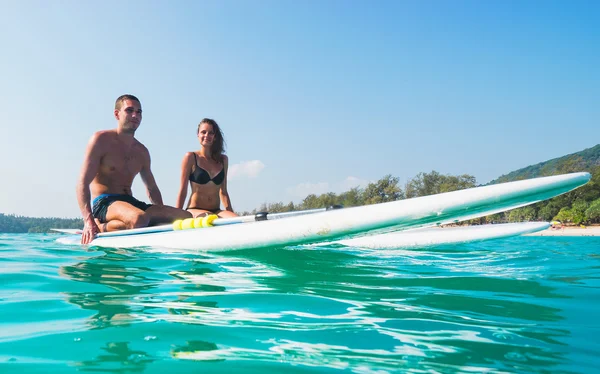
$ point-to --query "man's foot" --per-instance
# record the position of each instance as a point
(114, 225)
(101, 226)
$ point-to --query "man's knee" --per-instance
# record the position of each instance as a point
(139, 220)
(175, 213)
(182, 214)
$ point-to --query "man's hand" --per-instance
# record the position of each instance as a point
(90, 230)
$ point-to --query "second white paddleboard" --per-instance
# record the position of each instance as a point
(438, 236)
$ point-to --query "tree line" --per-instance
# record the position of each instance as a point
(10, 223)
(576, 207)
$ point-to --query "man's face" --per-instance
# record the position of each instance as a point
(129, 116)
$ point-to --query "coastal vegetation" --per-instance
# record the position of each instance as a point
(581, 206)
(585, 160)
(384, 190)
(10, 223)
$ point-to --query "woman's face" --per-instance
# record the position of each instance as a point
(206, 135)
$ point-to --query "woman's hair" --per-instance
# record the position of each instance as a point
(218, 146)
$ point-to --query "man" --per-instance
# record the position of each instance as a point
(112, 160)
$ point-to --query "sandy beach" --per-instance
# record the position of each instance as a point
(569, 231)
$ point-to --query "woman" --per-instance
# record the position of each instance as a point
(206, 172)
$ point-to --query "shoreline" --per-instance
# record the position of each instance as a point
(568, 231)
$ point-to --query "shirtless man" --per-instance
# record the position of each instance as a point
(112, 160)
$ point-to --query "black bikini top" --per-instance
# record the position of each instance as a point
(201, 176)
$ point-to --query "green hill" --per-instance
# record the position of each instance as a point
(585, 160)
(579, 206)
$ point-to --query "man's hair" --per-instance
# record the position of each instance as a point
(120, 99)
(218, 146)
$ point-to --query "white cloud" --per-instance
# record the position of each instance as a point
(304, 189)
(246, 169)
(351, 182)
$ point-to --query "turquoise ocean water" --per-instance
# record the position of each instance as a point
(526, 304)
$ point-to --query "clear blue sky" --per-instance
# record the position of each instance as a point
(313, 96)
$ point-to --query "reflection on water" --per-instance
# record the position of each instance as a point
(460, 308)
(123, 284)
(117, 356)
(198, 350)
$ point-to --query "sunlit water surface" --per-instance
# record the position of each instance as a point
(526, 304)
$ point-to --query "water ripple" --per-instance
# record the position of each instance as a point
(514, 305)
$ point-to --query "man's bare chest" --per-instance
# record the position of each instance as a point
(122, 161)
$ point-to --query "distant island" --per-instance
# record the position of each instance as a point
(581, 206)
(10, 223)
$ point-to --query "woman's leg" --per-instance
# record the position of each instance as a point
(199, 212)
(226, 214)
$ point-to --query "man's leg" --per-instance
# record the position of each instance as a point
(161, 214)
(121, 215)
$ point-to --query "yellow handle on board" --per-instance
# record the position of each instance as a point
(194, 223)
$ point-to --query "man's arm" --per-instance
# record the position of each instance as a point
(91, 164)
(148, 179)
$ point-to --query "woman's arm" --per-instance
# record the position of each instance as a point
(186, 169)
(223, 191)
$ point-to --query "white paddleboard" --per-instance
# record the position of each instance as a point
(325, 226)
(425, 237)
